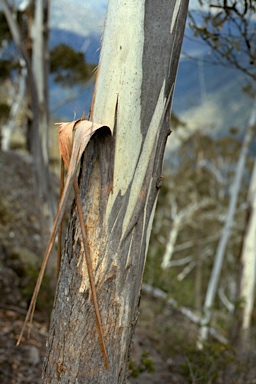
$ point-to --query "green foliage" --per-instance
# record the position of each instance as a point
(27, 265)
(205, 171)
(174, 337)
(216, 363)
(176, 121)
(5, 69)
(145, 364)
(4, 110)
(68, 66)
(4, 28)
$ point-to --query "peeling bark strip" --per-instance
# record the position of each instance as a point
(119, 182)
(73, 139)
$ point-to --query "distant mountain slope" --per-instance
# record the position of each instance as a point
(198, 83)
(206, 96)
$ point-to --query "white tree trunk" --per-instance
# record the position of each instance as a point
(247, 292)
(40, 166)
(120, 179)
(40, 62)
(169, 249)
(17, 100)
(219, 257)
(179, 220)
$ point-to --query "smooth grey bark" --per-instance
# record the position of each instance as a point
(119, 181)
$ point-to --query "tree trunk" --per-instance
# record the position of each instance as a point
(179, 220)
(119, 181)
(40, 163)
(247, 290)
(17, 95)
(40, 66)
(220, 252)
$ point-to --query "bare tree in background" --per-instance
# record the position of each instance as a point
(248, 255)
(36, 60)
(228, 27)
(222, 245)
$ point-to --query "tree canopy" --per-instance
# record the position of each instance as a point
(69, 67)
(228, 27)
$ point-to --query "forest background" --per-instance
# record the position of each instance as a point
(213, 103)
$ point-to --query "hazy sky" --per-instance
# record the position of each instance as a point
(79, 16)
(82, 16)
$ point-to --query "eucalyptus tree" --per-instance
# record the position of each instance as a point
(67, 66)
(33, 50)
(248, 253)
(225, 235)
(120, 177)
(190, 216)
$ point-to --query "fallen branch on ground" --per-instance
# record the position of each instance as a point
(159, 294)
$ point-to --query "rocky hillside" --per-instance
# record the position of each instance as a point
(21, 249)
(163, 349)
